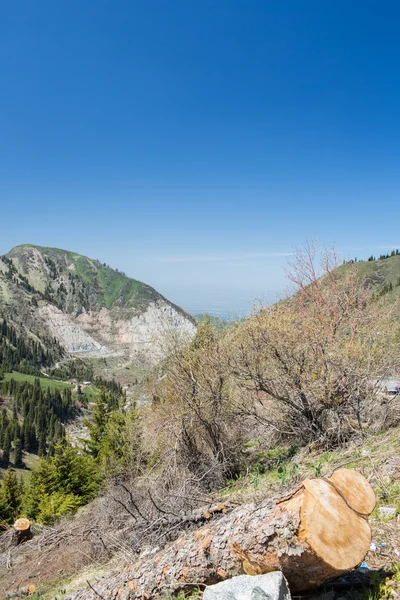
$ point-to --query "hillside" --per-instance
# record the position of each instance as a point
(381, 276)
(89, 308)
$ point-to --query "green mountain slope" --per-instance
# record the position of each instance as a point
(381, 277)
(93, 283)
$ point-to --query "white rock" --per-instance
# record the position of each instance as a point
(387, 512)
(271, 586)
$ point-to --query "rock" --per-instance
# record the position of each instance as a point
(387, 512)
(272, 586)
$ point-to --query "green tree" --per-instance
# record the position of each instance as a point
(10, 497)
(97, 426)
(120, 449)
(18, 452)
(60, 484)
(6, 446)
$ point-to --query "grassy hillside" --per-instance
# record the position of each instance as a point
(44, 381)
(379, 273)
(106, 287)
(67, 302)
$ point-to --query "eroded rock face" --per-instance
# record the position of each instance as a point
(70, 334)
(143, 337)
(271, 586)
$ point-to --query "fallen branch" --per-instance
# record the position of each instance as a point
(318, 532)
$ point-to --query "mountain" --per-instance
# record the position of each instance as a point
(89, 308)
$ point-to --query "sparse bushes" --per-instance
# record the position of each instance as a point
(306, 365)
(195, 409)
(299, 372)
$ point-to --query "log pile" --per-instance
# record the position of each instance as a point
(318, 532)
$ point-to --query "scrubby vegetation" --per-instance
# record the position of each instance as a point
(300, 372)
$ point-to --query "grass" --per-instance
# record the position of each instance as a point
(45, 383)
(30, 462)
(91, 393)
(193, 595)
(380, 587)
(284, 469)
(111, 285)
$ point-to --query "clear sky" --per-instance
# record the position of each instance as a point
(193, 144)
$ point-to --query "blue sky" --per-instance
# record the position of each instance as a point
(194, 144)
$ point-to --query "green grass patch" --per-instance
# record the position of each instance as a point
(44, 381)
(29, 460)
(91, 393)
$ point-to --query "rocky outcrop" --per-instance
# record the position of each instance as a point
(70, 334)
(142, 337)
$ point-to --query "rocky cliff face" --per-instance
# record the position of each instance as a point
(91, 309)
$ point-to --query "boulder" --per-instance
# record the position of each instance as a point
(271, 586)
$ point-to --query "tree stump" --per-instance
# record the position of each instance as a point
(22, 531)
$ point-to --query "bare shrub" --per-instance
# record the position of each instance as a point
(310, 361)
(194, 411)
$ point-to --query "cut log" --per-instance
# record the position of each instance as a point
(22, 531)
(311, 536)
(355, 489)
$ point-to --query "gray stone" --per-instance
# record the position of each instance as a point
(271, 586)
(387, 512)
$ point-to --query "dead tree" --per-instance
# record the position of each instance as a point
(318, 532)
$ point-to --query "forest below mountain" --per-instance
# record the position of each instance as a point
(231, 409)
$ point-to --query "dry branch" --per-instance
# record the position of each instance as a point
(317, 533)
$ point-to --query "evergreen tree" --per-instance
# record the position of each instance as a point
(10, 497)
(42, 444)
(6, 446)
(120, 449)
(98, 424)
(18, 452)
(60, 484)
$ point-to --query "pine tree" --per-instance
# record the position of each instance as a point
(18, 452)
(98, 424)
(6, 446)
(10, 497)
(42, 444)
